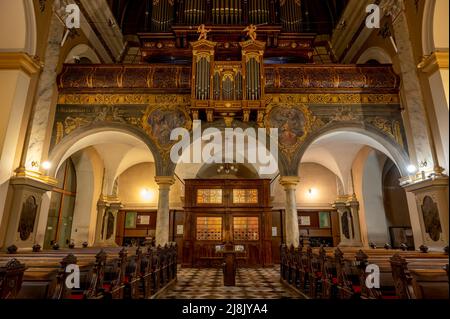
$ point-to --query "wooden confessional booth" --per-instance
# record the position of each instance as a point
(221, 210)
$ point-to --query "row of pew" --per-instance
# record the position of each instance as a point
(340, 273)
(108, 273)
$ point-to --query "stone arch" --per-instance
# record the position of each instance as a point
(61, 151)
(434, 34)
(375, 138)
(375, 53)
(82, 51)
(20, 17)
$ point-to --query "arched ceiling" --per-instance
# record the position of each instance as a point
(338, 150)
(119, 151)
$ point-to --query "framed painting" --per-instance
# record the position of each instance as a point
(324, 220)
(305, 221)
(130, 220)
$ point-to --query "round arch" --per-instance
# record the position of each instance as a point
(82, 51)
(375, 53)
(20, 17)
(65, 149)
(371, 137)
(434, 34)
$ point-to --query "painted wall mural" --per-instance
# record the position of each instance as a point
(159, 121)
(157, 117)
(295, 115)
(296, 119)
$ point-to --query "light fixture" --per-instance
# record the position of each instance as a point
(227, 169)
(411, 169)
(312, 192)
(46, 165)
(146, 194)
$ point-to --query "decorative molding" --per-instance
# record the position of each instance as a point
(433, 62)
(19, 61)
(28, 175)
(313, 98)
(289, 182)
(165, 181)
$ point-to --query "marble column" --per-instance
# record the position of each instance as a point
(36, 139)
(432, 205)
(289, 184)
(419, 137)
(162, 218)
(349, 226)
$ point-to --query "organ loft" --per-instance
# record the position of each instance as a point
(183, 149)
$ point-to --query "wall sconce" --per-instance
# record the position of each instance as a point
(147, 194)
(46, 165)
(423, 164)
(312, 192)
(411, 169)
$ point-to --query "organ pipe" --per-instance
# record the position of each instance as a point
(162, 15)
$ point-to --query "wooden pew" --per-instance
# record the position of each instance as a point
(133, 276)
(415, 279)
(342, 273)
(11, 276)
(103, 275)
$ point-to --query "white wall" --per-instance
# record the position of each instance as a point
(367, 172)
(89, 170)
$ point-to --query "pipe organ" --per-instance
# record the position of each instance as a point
(162, 15)
(227, 88)
(258, 12)
(165, 13)
(291, 15)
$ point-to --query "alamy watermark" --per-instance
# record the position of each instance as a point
(374, 17)
(373, 276)
(73, 279)
(234, 145)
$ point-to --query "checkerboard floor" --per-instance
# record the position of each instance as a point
(259, 283)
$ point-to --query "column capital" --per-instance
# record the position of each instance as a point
(289, 182)
(19, 61)
(164, 181)
(433, 62)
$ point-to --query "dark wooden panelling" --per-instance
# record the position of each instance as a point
(198, 253)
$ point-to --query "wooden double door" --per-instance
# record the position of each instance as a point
(219, 211)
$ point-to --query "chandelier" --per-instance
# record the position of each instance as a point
(227, 169)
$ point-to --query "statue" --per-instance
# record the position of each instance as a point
(251, 31)
(203, 32)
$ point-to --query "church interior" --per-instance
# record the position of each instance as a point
(224, 149)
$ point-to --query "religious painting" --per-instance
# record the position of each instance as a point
(293, 123)
(324, 220)
(130, 220)
(27, 218)
(430, 214)
(160, 121)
